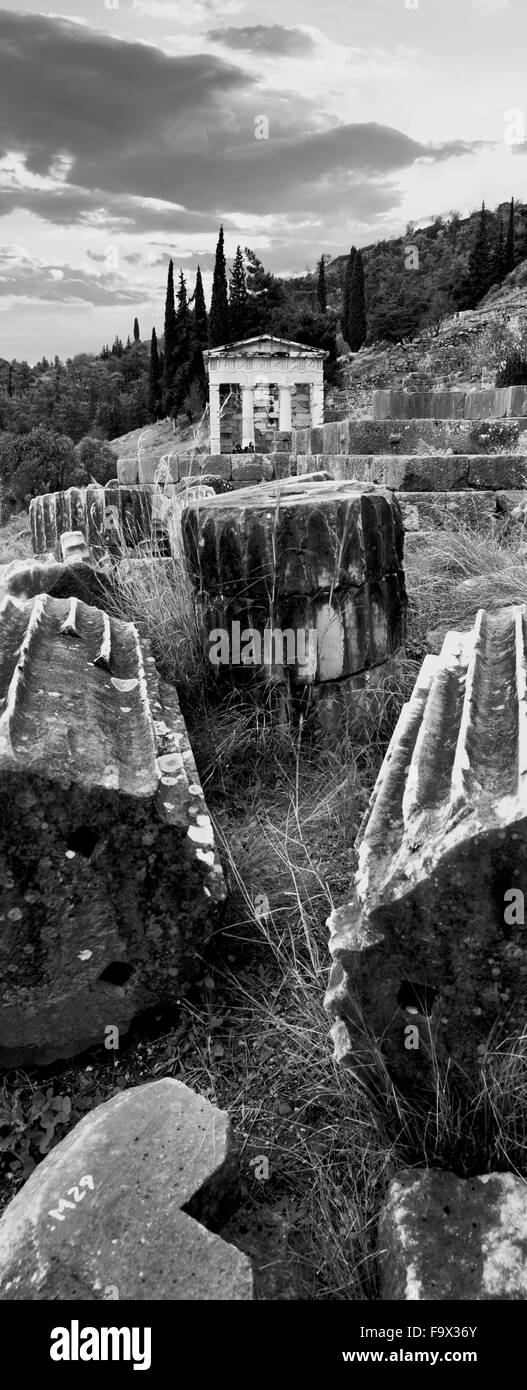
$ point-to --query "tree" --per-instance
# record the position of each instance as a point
(509, 244)
(321, 286)
(96, 460)
(357, 326)
(170, 344)
(137, 338)
(154, 379)
(479, 263)
(46, 463)
(117, 351)
(200, 312)
(219, 305)
(238, 299)
(346, 298)
(498, 259)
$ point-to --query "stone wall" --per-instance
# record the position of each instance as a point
(410, 436)
(489, 403)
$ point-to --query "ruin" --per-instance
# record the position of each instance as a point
(431, 940)
(317, 558)
(107, 855)
(259, 389)
(73, 1233)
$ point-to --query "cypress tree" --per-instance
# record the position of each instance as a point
(498, 260)
(357, 326)
(154, 379)
(170, 344)
(136, 331)
(345, 315)
(321, 286)
(200, 312)
(509, 245)
(10, 380)
(219, 307)
(479, 264)
(238, 298)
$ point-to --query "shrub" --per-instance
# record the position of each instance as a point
(514, 370)
(96, 460)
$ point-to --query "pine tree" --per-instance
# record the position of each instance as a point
(509, 245)
(219, 307)
(170, 363)
(498, 260)
(137, 338)
(238, 298)
(345, 317)
(321, 286)
(479, 264)
(154, 379)
(357, 326)
(200, 312)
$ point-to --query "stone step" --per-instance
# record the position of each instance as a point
(107, 855)
(427, 938)
(424, 472)
(368, 436)
(491, 402)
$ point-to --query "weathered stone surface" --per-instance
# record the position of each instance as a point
(349, 705)
(444, 1238)
(428, 511)
(24, 579)
(443, 841)
(295, 538)
(107, 855)
(488, 403)
(110, 518)
(426, 473)
(119, 1209)
(312, 568)
(363, 436)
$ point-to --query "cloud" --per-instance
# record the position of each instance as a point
(31, 277)
(265, 38)
(198, 13)
(490, 6)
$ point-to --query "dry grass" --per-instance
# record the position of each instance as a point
(254, 1035)
(15, 539)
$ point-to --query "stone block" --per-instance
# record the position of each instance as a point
(518, 401)
(428, 511)
(321, 637)
(391, 405)
(449, 1239)
(433, 936)
(121, 1208)
(334, 708)
(24, 579)
(497, 471)
(292, 538)
(110, 518)
(490, 403)
(107, 857)
(126, 469)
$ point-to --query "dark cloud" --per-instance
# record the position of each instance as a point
(276, 39)
(134, 123)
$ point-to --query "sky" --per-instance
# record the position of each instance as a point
(129, 129)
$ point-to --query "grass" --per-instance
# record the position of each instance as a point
(318, 1147)
(15, 539)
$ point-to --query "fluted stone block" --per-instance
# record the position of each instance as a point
(73, 578)
(292, 539)
(433, 938)
(443, 1238)
(110, 518)
(107, 859)
(312, 568)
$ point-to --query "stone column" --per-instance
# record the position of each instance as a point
(247, 415)
(316, 402)
(214, 415)
(284, 423)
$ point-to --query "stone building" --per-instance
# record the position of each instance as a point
(260, 389)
